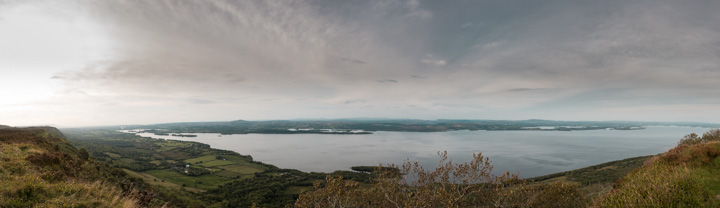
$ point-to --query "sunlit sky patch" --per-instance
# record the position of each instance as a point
(82, 62)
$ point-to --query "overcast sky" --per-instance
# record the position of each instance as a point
(86, 62)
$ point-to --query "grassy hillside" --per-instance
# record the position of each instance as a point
(193, 174)
(38, 168)
(596, 180)
(685, 176)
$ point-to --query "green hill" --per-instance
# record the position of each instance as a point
(685, 176)
(39, 168)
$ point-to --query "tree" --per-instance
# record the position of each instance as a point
(693, 138)
(84, 155)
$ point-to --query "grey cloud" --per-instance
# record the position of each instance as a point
(354, 101)
(353, 61)
(436, 62)
(72, 92)
(388, 81)
(524, 89)
(185, 45)
(235, 78)
(201, 101)
(644, 44)
(479, 55)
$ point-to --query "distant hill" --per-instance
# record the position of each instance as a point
(347, 126)
(39, 168)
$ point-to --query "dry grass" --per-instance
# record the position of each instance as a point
(23, 183)
(685, 176)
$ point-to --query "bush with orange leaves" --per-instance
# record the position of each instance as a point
(469, 184)
(693, 138)
(690, 150)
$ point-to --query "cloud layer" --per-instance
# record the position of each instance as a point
(224, 60)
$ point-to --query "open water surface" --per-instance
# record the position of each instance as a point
(529, 153)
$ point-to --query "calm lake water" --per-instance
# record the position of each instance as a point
(529, 153)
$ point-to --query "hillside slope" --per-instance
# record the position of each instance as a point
(39, 168)
(685, 176)
(192, 174)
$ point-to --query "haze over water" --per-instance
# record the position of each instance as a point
(530, 153)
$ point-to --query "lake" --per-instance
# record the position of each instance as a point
(529, 153)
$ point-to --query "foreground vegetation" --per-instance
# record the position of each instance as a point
(469, 184)
(685, 176)
(38, 168)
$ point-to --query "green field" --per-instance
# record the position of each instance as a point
(202, 182)
(170, 145)
(113, 155)
(216, 163)
(241, 169)
(229, 174)
(206, 158)
(126, 160)
(159, 181)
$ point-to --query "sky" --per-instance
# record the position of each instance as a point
(85, 62)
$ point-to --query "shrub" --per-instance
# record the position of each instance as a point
(697, 154)
(558, 195)
(709, 136)
(83, 153)
(335, 193)
(690, 139)
(449, 185)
